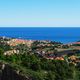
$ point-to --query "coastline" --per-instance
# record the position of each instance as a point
(60, 34)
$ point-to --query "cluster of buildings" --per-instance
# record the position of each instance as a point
(62, 54)
(46, 49)
(11, 52)
(71, 56)
(74, 59)
(14, 42)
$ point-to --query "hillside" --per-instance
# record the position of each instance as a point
(38, 60)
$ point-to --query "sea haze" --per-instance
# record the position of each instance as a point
(64, 35)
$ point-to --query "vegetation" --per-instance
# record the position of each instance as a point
(38, 68)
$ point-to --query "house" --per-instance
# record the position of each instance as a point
(15, 42)
(10, 52)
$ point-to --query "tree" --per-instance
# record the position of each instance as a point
(23, 48)
(1, 53)
(50, 76)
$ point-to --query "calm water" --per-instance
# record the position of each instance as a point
(65, 35)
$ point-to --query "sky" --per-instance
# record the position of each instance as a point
(39, 13)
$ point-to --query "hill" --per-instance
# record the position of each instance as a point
(38, 60)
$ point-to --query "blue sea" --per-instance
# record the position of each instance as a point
(64, 35)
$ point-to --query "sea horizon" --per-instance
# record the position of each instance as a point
(59, 34)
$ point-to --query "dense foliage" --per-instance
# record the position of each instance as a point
(40, 68)
(37, 68)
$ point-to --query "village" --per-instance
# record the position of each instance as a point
(45, 49)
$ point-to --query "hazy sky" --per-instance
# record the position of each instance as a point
(40, 13)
